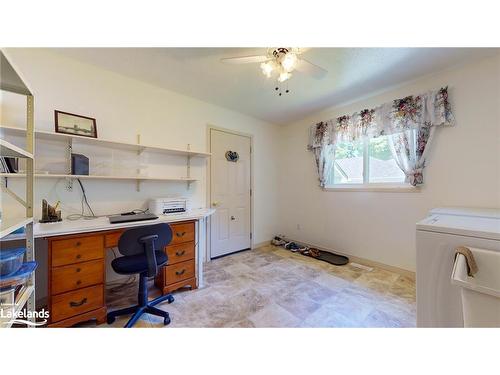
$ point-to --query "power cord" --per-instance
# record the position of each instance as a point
(122, 286)
(85, 203)
(85, 197)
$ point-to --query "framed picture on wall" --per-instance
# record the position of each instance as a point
(69, 123)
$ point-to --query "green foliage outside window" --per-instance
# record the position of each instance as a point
(379, 149)
(348, 150)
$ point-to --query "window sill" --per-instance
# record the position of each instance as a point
(381, 188)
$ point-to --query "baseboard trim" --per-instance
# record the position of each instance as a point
(260, 244)
(363, 261)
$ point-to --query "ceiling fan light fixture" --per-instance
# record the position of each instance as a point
(284, 76)
(267, 68)
(278, 63)
(289, 61)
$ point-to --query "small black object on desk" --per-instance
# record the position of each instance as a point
(125, 218)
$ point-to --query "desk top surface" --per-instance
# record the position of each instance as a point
(102, 224)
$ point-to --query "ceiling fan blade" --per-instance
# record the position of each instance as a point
(300, 50)
(245, 59)
(307, 67)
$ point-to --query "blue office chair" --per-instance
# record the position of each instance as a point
(143, 253)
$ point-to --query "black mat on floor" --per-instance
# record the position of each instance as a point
(325, 256)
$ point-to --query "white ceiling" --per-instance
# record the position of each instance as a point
(198, 72)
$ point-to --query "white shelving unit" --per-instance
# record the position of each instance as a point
(52, 136)
(11, 81)
(10, 225)
(23, 296)
(95, 177)
(139, 148)
(9, 150)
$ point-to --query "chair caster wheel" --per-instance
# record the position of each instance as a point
(110, 319)
(166, 321)
(170, 299)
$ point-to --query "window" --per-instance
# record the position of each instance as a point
(382, 167)
(364, 163)
(348, 163)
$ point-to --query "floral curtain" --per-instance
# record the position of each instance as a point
(408, 149)
(409, 122)
(322, 145)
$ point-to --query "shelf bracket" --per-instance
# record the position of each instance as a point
(140, 149)
(138, 170)
(69, 181)
(188, 167)
(13, 195)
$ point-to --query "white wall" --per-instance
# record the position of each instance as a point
(123, 108)
(463, 170)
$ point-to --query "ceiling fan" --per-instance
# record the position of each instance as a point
(281, 62)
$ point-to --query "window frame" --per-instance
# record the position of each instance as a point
(402, 187)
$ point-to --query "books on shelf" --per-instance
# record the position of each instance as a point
(9, 165)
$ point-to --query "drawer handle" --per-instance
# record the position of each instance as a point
(78, 243)
(78, 282)
(78, 269)
(179, 273)
(78, 256)
(179, 234)
(77, 304)
(180, 253)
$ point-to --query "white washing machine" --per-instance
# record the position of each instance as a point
(438, 235)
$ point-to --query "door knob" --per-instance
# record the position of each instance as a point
(233, 218)
(215, 203)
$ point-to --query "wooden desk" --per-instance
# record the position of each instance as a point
(77, 272)
(77, 262)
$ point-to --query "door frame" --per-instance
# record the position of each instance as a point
(210, 128)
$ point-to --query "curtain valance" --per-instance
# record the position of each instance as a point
(431, 108)
(409, 122)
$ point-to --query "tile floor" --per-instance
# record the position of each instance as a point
(272, 287)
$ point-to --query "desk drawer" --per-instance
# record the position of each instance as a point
(182, 232)
(77, 276)
(77, 302)
(178, 272)
(111, 239)
(180, 253)
(76, 250)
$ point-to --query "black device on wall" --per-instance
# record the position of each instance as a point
(79, 165)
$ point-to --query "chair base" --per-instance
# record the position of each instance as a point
(138, 310)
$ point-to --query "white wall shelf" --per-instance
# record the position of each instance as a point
(52, 136)
(12, 81)
(93, 177)
(10, 224)
(7, 149)
(21, 300)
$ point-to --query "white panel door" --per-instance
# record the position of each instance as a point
(229, 193)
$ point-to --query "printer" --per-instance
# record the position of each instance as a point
(166, 206)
